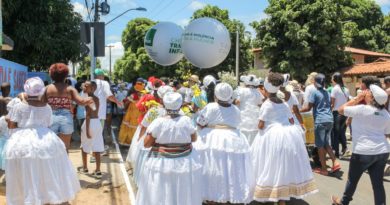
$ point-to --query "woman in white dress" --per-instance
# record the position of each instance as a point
(248, 100)
(137, 152)
(171, 173)
(292, 102)
(224, 151)
(281, 163)
(38, 170)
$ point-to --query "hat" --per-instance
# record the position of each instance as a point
(34, 86)
(224, 92)
(319, 80)
(172, 101)
(163, 90)
(379, 94)
(208, 80)
(194, 78)
(99, 71)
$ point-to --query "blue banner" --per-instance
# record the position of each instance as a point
(43, 75)
(13, 73)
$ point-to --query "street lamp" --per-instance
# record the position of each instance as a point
(136, 9)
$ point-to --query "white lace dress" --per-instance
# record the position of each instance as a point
(225, 153)
(171, 181)
(281, 163)
(38, 170)
(250, 102)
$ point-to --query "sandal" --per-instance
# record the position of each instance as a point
(98, 174)
(320, 171)
(336, 168)
(83, 170)
(335, 200)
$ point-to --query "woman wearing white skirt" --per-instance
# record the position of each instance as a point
(281, 163)
(171, 173)
(137, 152)
(38, 170)
(224, 151)
(249, 100)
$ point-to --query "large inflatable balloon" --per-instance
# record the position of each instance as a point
(162, 43)
(206, 42)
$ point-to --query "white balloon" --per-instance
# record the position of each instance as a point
(206, 42)
(163, 43)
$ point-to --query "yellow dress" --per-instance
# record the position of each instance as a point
(129, 123)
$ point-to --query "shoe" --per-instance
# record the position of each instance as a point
(83, 170)
(335, 200)
(320, 171)
(97, 175)
(92, 159)
(336, 168)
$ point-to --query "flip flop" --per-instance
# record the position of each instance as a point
(336, 168)
(320, 171)
(335, 200)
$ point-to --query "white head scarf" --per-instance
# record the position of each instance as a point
(34, 87)
(286, 80)
(223, 92)
(163, 90)
(172, 101)
(207, 80)
(379, 94)
(269, 87)
(250, 80)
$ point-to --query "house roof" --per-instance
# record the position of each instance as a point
(255, 50)
(365, 52)
(375, 68)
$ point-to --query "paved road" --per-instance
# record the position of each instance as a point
(331, 185)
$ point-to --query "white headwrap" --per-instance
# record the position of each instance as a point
(164, 89)
(223, 92)
(208, 80)
(172, 101)
(34, 87)
(379, 94)
(269, 87)
(286, 80)
(250, 80)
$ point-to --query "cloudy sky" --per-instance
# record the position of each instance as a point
(178, 11)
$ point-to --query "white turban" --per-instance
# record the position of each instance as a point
(250, 80)
(269, 87)
(379, 94)
(34, 87)
(224, 92)
(286, 78)
(164, 89)
(208, 80)
(172, 101)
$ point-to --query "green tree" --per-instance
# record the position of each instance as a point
(232, 25)
(363, 23)
(44, 32)
(300, 36)
(85, 66)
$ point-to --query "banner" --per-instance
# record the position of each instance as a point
(43, 75)
(13, 73)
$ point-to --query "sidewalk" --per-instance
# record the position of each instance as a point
(109, 190)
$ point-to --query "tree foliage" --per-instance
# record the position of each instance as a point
(85, 66)
(44, 32)
(300, 36)
(363, 23)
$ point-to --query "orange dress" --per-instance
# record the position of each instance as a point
(130, 121)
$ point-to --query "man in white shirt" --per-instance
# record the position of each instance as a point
(103, 92)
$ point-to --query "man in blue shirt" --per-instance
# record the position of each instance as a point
(323, 123)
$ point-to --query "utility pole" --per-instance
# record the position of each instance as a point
(237, 55)
(92, 49)
(109, 47)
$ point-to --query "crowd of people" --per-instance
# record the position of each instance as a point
(195, 142)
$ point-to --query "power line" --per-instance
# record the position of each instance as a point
(154, 9)
(161, 10)
(88, 10)
(180, 10)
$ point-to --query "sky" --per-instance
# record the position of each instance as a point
(177, 11)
